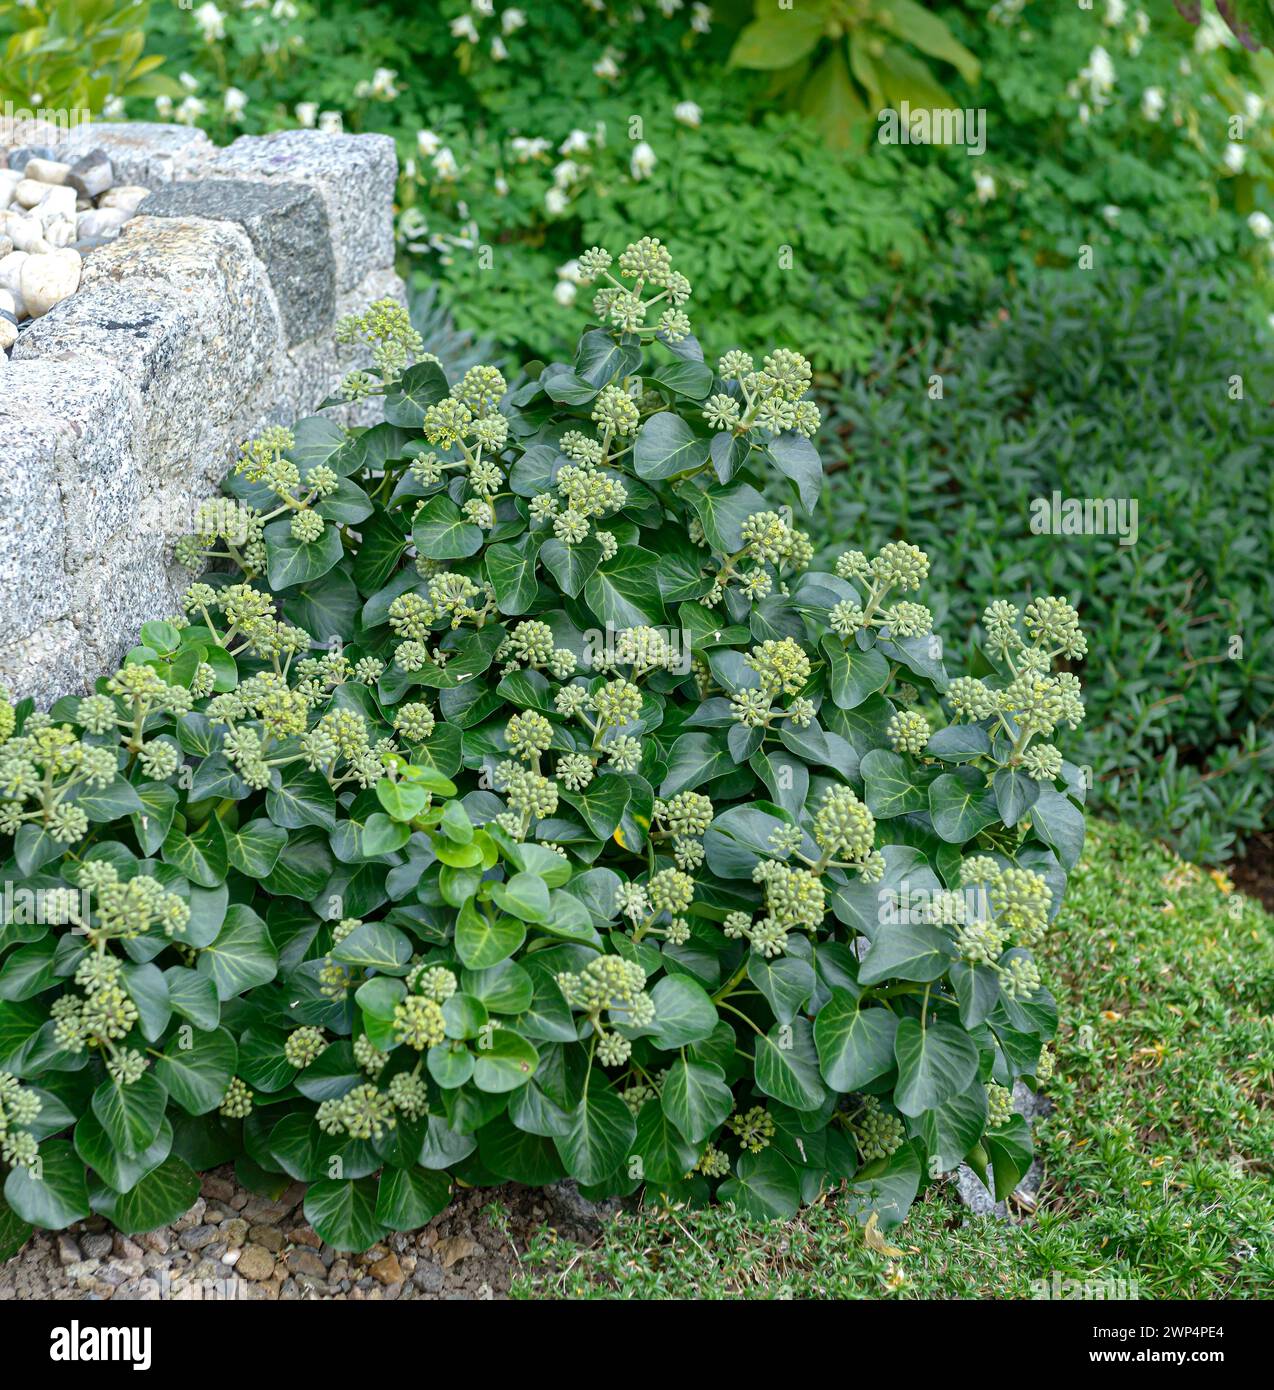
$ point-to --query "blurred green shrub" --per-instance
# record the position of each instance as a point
(82, 55)
(1101, 389)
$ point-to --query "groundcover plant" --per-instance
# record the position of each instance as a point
(517, 803)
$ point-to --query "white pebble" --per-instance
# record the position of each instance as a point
(56, 203)
(48, 280)
(47, 170)
(26, 233)
(28, 193)
(101, 222)
(60, 233)
(126, 196)
(11, 279)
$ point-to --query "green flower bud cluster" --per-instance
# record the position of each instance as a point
(368, 1056)
(713, 1163)
(129, 908)
(19, 1107)
(796, 901)
(409, 1095)
(45, 764)
(753, 1128)
(609, 983)
(1020, 899)
(414, 721)
(1046, 1065)
(528, 735)
(897, 566)
(362, 1113)
(770, 399)
(103, 1015)
(1020, 979)
(648, 264)
(574, 771)
(643, 649)
(844, 826)
(240, 526)
(999, 1105)
(126, 1066)
(781, 664)
(303, 1046)
(771, 539)
(434, 982)
(8, 716)
(634, 1097)
(385, 327)
(879, 1132)
(236, 1104)
(531, 796)
(671, 890)
(418, 1022)
(908, 731)
(264, 460)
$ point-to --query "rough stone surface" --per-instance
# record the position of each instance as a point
(287, 225)
(472, 1250)
(124, 405)
(974, 1194)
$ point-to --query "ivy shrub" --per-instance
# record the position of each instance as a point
(1037, 402)
(520, 805)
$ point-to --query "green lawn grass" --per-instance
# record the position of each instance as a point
(1158, 1156)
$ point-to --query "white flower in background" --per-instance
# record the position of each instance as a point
(556, 202)
(1116, 12)
(564, 292)
(1099, 76)
(566, 173)
(1260, 225)
(498, 50)
(384, 84)
(606, 67)
(284, 11)
(525, 149)
(427, 143)
(575, 143)
(1234, 158)
(501, 185)
(1213, 32)
(1184, 67)
(1085, 113)
(464, 28)
(569, 270)
(445, 166)
(113, 108)
(983, 186)
(512, 20)
(701, 18)
(643, 161)
(211, 22)
(1253, 106)
(190, 110)
(331, 122)
(1111, 214)
(164, 107)
(235, 103)
(688, 113)
(307, 113)
(486, 8)
(191, 84)
(668, 8)
(1152, 103)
